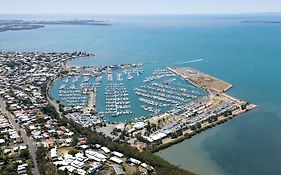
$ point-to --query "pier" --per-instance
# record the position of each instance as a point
(92, 99)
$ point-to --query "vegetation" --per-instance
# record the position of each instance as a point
(62, 122)
(51, 111)
(8, 164)
(45, 166)
(24, 154)
(44, 89)
(73, 151)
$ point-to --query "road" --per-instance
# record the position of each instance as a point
(27, 140)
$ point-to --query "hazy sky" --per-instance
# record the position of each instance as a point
(138, 6)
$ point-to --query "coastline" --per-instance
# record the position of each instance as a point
(244, 69)
(191, 154)
(187, 134)
(160, 168)
(211, 94)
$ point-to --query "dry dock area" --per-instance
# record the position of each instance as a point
(201, 80)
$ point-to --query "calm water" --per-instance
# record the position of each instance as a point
(130, 85)
(246, 55)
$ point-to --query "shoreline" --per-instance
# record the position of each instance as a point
(215, 94)
(212, 94)
(187, 134)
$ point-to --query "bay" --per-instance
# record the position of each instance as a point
(246, 55)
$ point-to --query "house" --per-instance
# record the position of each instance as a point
(2, 141)
(95, 156)
(134, 161)
(54, 156)
(95, 166)
(139, 125)
(147, 167)
(50, 143)
(115, 153)
(105, 150)
(116, 160)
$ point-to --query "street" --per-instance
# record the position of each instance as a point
(27, 140)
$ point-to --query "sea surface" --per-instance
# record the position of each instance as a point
(247, 55)
(130, 84)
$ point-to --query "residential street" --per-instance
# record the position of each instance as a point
(27, 140)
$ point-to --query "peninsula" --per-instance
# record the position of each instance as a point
(6, 25)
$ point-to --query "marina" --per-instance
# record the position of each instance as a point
(161, 111)
(158, 74)
(179, 101)
(72, 97)
(117, 100)
(117, 91)
(250, 62)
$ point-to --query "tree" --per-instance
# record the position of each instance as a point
(198, 125)
(73, 151)
(24, 154)
(41, 153)
(62, 122)
(148, 127)
(51, 111)
(192, 127)
(243, 106)
(45, 167)
(93, 112)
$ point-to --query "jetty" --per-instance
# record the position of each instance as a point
(92, 99)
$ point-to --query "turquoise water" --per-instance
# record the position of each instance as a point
(246, 55)
(136, 82)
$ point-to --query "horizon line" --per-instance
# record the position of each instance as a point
(150, 14)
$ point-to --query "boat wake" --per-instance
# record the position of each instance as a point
(191, 61)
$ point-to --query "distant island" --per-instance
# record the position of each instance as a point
(4, 28)
(261, 22)
(6, 25)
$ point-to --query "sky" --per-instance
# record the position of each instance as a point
(138, 6)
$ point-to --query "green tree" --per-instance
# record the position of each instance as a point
(24, 154)
(73, 151)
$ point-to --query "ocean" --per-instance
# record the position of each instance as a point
(247, 55)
